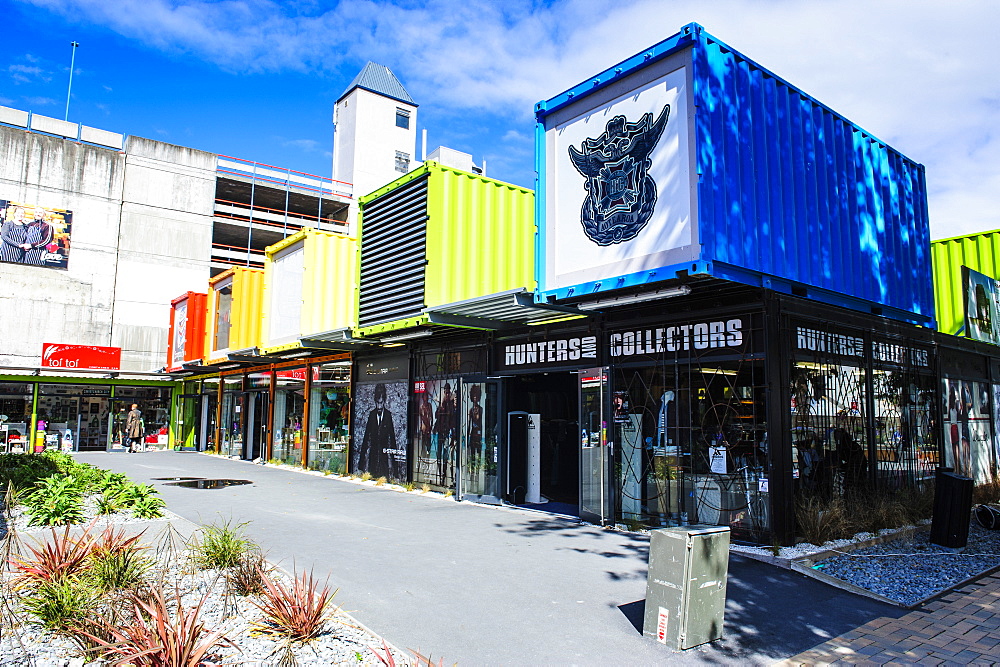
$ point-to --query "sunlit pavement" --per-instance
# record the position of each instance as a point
(962, 627)
(480, 585)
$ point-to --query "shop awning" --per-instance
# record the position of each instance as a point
(500, 310)
(337, 339)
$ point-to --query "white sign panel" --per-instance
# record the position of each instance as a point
(618, 187)
(288, 270)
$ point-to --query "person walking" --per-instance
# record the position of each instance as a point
(134, 429)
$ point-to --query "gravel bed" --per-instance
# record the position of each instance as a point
(25, 642)
(909, 570)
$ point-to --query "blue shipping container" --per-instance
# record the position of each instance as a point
(690, 159)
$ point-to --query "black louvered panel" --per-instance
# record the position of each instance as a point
(393, 241)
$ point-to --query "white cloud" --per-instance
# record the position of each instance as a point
(918, 74)
(305, 145)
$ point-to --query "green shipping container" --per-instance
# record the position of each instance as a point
(439, 236)
(979, 252)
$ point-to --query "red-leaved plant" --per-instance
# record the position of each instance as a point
(162, 634)
(114, 540)
(298, 612)
(54, 560)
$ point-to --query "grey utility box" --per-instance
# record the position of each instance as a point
(686, 585)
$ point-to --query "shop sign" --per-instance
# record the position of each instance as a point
(298, 373)
(391, 367)
(846, 345)
(711, 335)
(618, 178)
(565, 351)
(94, 357)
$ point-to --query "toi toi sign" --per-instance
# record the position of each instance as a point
(95, 357)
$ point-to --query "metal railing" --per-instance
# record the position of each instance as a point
(269, 173)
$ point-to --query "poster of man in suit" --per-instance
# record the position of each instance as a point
(380, 430)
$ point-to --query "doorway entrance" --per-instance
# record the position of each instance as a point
(554, 397)
(255, 415)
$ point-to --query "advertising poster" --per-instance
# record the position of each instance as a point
(34, 235)
(968, 432)
(621, 406)
(180, 334)
(380, 430)
(996, 424)
(980, 297)
(438, 423)
(619, 186)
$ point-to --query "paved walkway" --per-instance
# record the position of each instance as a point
(962, 627)
(483, 586)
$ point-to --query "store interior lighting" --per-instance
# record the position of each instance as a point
(682, 290)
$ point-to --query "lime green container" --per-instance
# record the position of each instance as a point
(439, 236)
(980, 252)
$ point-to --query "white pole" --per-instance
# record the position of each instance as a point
(72, 65)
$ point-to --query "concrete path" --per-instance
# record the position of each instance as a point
(486, 586)
(962, 627)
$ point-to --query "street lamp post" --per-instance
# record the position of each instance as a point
(72, 64)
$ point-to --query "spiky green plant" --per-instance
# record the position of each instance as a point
(62, 603)
(221, 546)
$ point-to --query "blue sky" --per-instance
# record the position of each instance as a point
(257, 79)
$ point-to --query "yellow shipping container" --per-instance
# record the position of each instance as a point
(310, 281)
(234, 304)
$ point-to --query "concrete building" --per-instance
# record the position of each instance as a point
(141, 232)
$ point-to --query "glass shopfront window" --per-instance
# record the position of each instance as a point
(289, 410)
(73, 416)
(693, 445)
(829, 434)
(154, 403)
(330, 417)
(906, 446)
(15, 415)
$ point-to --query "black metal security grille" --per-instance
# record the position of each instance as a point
(393, 241)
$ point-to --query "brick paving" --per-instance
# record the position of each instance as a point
(962, 627)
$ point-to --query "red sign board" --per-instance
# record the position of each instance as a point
(95, 357)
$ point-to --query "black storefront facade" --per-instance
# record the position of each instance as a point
(726, 406)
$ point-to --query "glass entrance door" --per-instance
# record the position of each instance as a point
(255, 414)
(595, 502)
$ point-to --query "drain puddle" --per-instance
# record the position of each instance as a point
(210, 483)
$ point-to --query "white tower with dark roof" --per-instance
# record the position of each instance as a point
(375, 131)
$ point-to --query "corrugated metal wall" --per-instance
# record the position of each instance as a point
(790, 189)
(480, 236)
(393, 236)
(329, 294)
(979, 252)
(245, 323)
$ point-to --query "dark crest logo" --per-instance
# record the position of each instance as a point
(621, 194)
